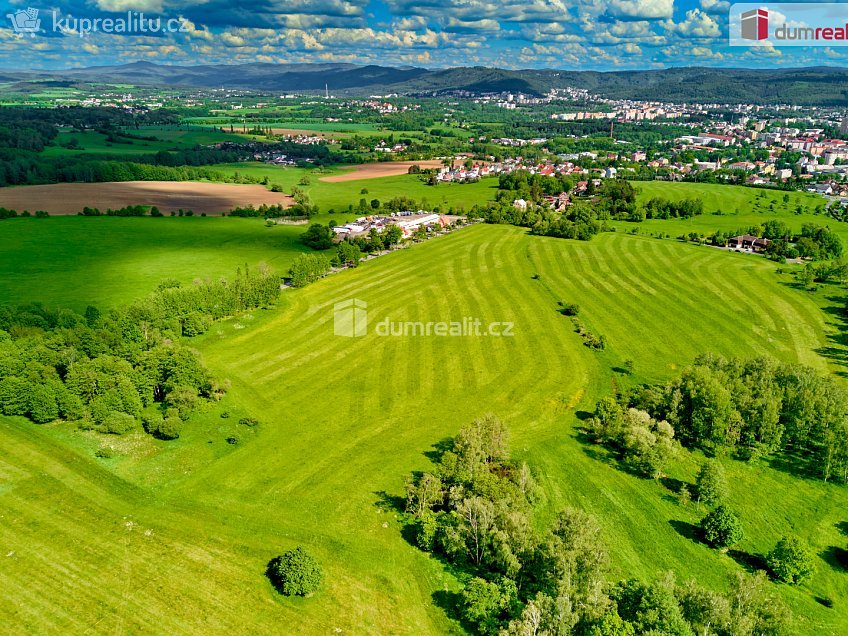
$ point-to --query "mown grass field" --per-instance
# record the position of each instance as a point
(741, 207)
(73, 261)
(139, 542)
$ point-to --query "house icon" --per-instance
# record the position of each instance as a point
(350, 318)
(755, 24)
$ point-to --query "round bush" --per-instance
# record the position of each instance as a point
(118, 423)
(792, 561)
(295, 573)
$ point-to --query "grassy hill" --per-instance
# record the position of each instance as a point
(138, 542)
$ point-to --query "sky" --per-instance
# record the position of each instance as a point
(559, 34)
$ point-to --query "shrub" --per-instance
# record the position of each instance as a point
(167, 428)
(105, 452)
(118, 423)
(195, 324)
(711, 484)
(791, 560)
(295, 573)
(425, 531)
(570, 309)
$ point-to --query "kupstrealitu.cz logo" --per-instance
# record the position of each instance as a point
(28, 22)
(25, 22)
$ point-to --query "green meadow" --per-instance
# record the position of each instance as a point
(93, 142)
(731, 208)
(74, 261)
(138, 542)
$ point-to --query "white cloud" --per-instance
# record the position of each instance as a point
(650, 9)
(479, 26)
(702, 53)
(119, 6)
(696, 24)
(715, 6)
(231, 39)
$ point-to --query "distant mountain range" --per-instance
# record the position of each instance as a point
(826, 86)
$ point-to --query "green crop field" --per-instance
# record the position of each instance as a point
(137, 543)
(339, 195)
(741, 207)
(74, 261)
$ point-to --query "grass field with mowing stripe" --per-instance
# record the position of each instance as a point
(344, 420)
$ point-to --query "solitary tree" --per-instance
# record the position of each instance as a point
(295, 573)
(722, 528)
(393, 235)
(791, 560)
(711, 483)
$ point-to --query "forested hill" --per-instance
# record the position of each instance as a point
(825, 86)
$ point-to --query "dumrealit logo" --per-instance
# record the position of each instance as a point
(755, 24)
(789, 24)
(350, 318)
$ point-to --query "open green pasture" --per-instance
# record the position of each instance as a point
(741, 207)
(166, 138)
(75, 261)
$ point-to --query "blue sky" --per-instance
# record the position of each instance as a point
(566, 34)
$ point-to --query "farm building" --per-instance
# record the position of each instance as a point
(408, 222)
(748, 242)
